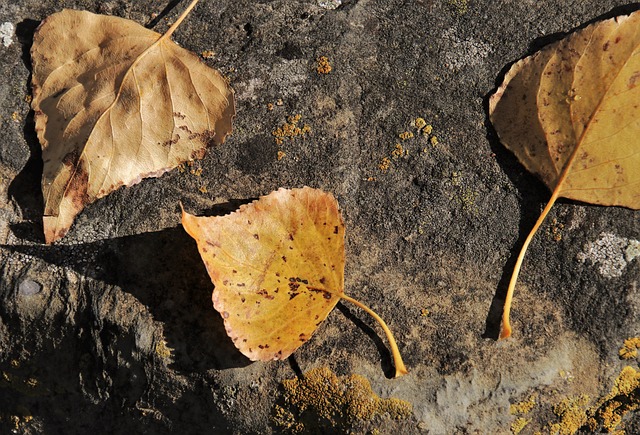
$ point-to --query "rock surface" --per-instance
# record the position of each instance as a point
(112, 329)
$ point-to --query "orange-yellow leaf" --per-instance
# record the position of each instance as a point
(114, 103)
(278, 269)
(571, 115)
(268, 262)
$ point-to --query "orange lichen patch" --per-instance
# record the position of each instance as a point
(270, 106)
(398, 151)
(208, 54)
(624, 397)
(555, 230)
(629, 349)
(572, 413)
(290, 129)
(385, 164)
(405, 135)
(322, 400)
(323, 65)
(427, 130)
(203, 189)
(281, 155)
(518, 425)
(420, 123)
(523, 407)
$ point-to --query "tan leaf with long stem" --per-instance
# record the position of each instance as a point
(571, 115)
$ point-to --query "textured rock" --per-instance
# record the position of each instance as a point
(122, 336)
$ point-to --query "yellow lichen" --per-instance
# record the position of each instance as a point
(208, 54)
(405, 135)
(629, 349)
(385, 164)
(434, 140)
(518, 425)
(523, 407)
(623, 398)
(16, 117)
(270, 106)
(290, 129)
(398, 151)
(555, 230)
(281, 155)
(162, 350)
(203, 189)
(420, 123)
(461, 5)
(323, 399)
(323, 65)
(572, 415)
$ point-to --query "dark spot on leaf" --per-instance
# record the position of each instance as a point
(225, 314)
(327, 295)
(240, 284)
(322, 280)
(284, 258)
(257, 237)
(335, 230)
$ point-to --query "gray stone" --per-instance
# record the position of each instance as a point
(122, 337)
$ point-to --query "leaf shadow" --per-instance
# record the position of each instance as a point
(542, 41)
(385, 356)
(25, 189)
(164, 271)
(532, 191)
(154, 22)
(533, 194)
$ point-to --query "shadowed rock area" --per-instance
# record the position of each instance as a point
(112, 329)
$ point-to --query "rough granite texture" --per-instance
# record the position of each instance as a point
(112, 329)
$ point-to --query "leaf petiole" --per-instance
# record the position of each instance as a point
(401, 369)
(505, 328)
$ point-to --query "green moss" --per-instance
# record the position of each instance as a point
(322, 401)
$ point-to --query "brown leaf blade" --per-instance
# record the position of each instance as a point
(278, 268)
(115, 103)
(571, 115)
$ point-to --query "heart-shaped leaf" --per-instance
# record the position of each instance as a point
(571, 114)
(278, 269)
(114, 103)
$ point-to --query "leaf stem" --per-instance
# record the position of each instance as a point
(180, 19)
(401, 369)
(505, 329)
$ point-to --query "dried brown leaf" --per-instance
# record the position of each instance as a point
(571, 115)
(114, 103)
